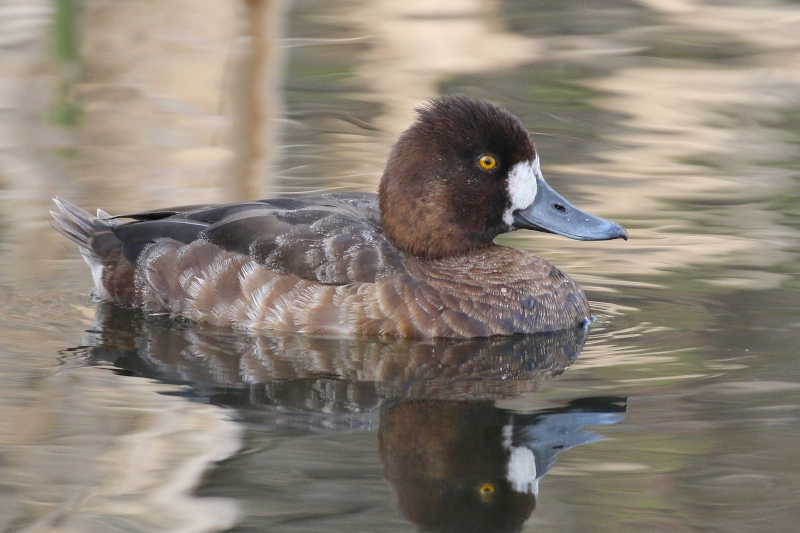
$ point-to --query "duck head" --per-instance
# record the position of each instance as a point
(467, 171)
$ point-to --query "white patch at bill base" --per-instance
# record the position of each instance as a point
(522, 187)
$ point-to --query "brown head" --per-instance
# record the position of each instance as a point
(463, 173)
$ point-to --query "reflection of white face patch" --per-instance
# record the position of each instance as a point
(521, 187)
(521, 466)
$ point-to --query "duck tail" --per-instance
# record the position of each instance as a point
(94, 234)
(113, 274)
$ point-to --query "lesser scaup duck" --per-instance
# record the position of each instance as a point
(417, 260)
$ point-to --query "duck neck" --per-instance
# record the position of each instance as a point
(435, 243)
(426, 227)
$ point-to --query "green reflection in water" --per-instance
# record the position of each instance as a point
(65, 48)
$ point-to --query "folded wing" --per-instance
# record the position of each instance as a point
(334, 238)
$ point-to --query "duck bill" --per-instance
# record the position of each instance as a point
(552, 213)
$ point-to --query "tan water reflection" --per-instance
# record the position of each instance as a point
(184, 101)
(91, 451)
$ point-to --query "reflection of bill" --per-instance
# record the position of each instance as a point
(455, 460)
(469, 466)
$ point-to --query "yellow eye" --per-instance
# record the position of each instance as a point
(485, 492)
(487, 162)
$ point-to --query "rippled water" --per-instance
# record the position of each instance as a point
(679, 411)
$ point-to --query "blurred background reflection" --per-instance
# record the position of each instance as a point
(679, 119)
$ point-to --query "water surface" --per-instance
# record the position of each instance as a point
(676, 411)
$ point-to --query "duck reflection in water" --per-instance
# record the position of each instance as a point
(456, 461)
(470, 466)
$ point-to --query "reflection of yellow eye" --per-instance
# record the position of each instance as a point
(486, 491)
(487, 162)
